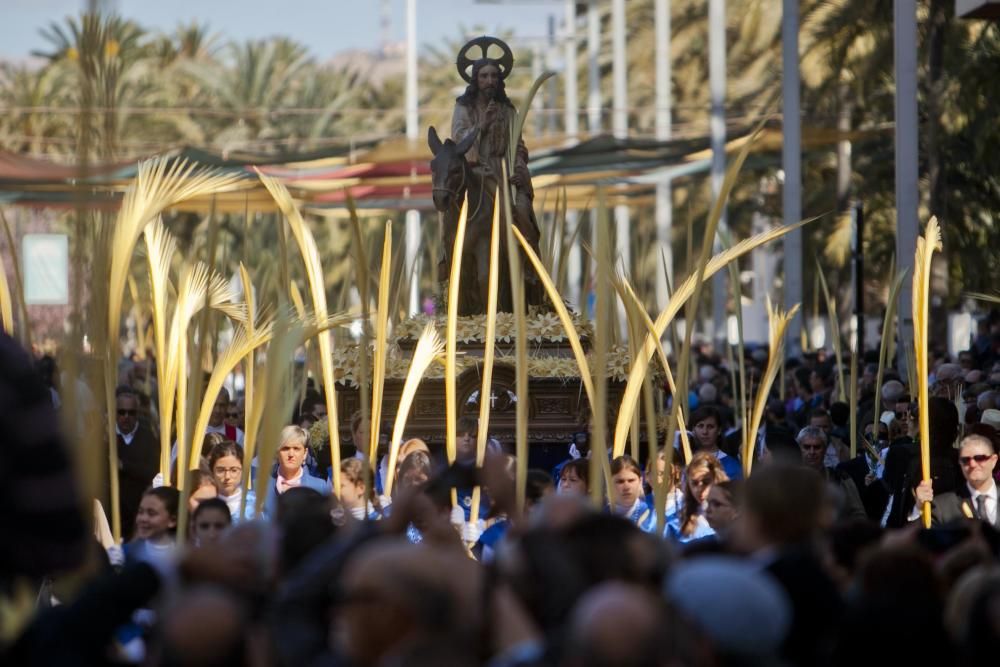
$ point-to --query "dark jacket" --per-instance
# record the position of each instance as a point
(955, 506)
(138, 463)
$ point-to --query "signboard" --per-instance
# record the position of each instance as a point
(45, 258)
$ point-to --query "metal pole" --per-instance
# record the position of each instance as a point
(717, 88)
(412, 134)
(664, 198)
(857, 253)
(572, 126)
(572, 117)
(619, 119)
(907, 186)
(593, 68)
(791, 161)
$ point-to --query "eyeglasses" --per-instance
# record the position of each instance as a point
(978, 458)
(234, 415)
(222, 472)
(127, 413)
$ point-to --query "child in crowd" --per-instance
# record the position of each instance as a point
(689, 522)
(356, 492)
(209, 520)
(226, 463)
(626, 493)
(202, 487)
(674, 494)
(155, 523)
(706, 427)
(724, 506)
(574, 477)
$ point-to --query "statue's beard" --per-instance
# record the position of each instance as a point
(490, 93)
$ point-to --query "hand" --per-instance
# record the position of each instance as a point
(116, 555)
(924, 492)
(517, 179)
(491, 113)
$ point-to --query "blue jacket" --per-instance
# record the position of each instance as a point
(308, 482)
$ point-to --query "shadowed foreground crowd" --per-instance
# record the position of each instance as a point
(817, 558)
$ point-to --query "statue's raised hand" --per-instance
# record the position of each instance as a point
(491, 113)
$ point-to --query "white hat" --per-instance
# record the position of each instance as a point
(991, 417)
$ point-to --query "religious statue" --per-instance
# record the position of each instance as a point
(472, 162)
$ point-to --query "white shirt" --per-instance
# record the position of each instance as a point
(991, 502)
(233, 502)
(127, 437)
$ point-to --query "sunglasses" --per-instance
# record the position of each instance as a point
(127, 413)
(978, 458)
(234, 415)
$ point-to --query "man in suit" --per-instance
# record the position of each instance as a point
(977, 498)
(138, 456)
(291, 471)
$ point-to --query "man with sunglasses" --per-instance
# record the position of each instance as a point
(138, 455)
(977, 498)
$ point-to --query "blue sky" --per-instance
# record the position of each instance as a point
(326, 27)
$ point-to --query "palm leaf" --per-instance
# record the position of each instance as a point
(982, 296)
(681, 295)
(429, 347)
(314, 273)
(455, 275)
(831, 311)
(777, 324)
(926, 246)
(488, 350)
(381, 337)
(650, 328)
(159, 184)
(160, 248)
(6, 304)
(520, 349)
(887, 336)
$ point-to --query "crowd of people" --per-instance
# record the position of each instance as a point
(819, 557)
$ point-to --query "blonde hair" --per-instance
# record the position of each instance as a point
(702, 461)
(293, 433)
(357, 471)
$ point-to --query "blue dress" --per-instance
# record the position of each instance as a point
(464, 497)
(732, 466)
(641, 514)
(673, 528)
(489, 539)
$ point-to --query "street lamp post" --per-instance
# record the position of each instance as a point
(717, 128)
(791, 160)
(412, 134)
